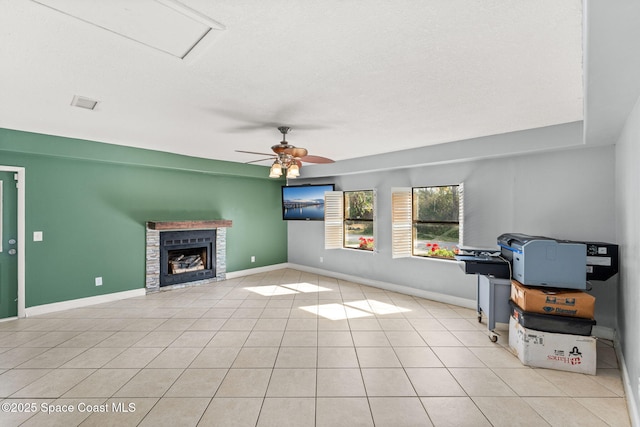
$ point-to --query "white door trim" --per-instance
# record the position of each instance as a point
(20, 181)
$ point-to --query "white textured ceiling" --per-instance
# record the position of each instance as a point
(352, 78)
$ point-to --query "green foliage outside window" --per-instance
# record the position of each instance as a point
(358, 220)
(436, 227)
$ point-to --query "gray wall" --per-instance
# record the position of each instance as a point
(566, 194)
(628, 218)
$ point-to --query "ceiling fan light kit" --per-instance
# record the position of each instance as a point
(288, 157)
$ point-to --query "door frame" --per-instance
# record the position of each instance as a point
(21, 237)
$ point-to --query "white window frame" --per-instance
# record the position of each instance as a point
(334, 220)
(402, 220)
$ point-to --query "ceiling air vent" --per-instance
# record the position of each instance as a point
(82, 102)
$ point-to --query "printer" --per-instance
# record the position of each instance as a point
(543, 261)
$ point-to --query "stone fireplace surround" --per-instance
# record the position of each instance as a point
(153, 250)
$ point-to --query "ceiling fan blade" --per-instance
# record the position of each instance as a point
(316, 159)
(253, 152)
(296, 152)
(260, 160)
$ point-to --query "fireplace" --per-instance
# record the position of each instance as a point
(186, 256)
(185, 253)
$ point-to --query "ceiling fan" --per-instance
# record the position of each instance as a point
(287, 157)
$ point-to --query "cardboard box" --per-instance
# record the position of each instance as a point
(561, 302)
(563, 352)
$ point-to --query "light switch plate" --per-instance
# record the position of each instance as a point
(37, 236)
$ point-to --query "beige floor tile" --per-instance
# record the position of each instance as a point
(264, 339)
(15, 418)
(387, 382)
(343, 412)
(206, 325)
(612, 411)
(302, 324)
(158, 338)
(15, 379)
(53, 417)
(175, 324)
(457, 357)
(239, 325)
(94, 358)
(101, 383)
(229, 339)
(377, 357)
(215, 357)
(611, 379)
(509, 412)
(232, 412)
(434, 382)
(456, 324)
(398, 412)
(481, 382)
(265, 324)
(298, 357)
(334, 339)
(417, 357)
(427, 324)
(454, 412)
(333, 325)
(370, 339)
(365, 324)
(17, 356)
(197, 383)
(440, 338)
(395, 324)
(337, 357)
(132, 357)
(292, 383)
(193, 339)
(289, 411)
(149, 383)
(51, 339)
(122, 413)
(87, 339)
(245, 383)
(405, 339)
(340, 383)
(176, 411)
(300, 339)
(174, 357)
(528, 382)
(475, 339)
(576, 385)
(606, 357)
(496, 357)
(564, 412)
(52, 358)
(122, 339)
(256, 357)
(54, 384)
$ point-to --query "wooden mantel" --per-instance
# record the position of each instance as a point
(189, 225)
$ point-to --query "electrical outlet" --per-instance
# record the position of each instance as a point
(321, 260)
(253, 258)
(98, 281)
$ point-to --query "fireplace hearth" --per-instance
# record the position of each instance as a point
(185, 253)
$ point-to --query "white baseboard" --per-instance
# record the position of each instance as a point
(632, 405)
(257, 270)
(82, 302)
(434, 296)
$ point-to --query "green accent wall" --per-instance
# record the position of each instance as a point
(92, 200)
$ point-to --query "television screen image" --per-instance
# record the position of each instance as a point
(304, 202)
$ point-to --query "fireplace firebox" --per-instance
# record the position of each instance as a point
(187, 256)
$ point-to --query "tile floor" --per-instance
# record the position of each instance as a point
(286, 348)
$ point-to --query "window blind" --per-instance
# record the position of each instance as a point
(333, 219)
(401, 226)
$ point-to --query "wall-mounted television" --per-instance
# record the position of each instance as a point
(304, 202)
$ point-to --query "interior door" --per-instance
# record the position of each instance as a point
(8, 246)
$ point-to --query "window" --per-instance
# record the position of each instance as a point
(350, 220)
(427, 221)
(358, 220)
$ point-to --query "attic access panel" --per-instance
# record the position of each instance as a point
(165, 25)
